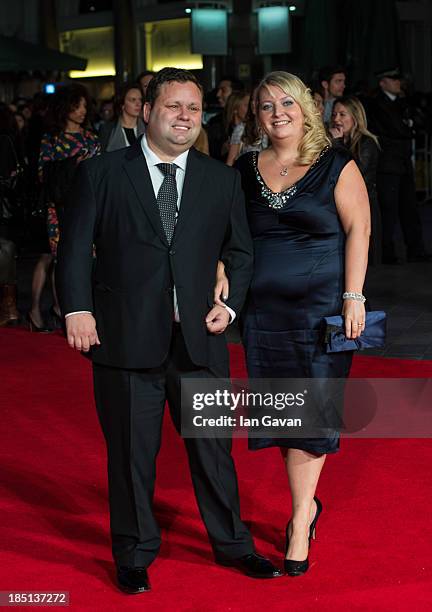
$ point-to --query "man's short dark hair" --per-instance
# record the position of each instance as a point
(327, 72)
(236, 84)
(168, 75)
(144, 74)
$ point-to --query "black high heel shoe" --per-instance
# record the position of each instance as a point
(298, 568)
(56, 318)
(35, 328)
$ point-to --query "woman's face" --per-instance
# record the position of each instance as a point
(78, 114)
(342, 119)
(133, 103)
(279, 114)
(20, 121)
(243, 108)
(26, 112)
(319, 102)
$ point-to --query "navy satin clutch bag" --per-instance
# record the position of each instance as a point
(373, 335)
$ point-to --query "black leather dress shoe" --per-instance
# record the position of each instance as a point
(253, 565)
(133, 580)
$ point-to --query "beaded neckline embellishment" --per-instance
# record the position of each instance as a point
(277, 200)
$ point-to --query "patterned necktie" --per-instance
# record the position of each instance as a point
(167, 199)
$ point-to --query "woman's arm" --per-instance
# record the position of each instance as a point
(221, 290)
(235, 144)
(233, 153)
(352, 204)
(46, 154)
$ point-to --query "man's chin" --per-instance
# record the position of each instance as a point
(184, 140)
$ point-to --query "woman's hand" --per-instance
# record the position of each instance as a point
(83, 154)
(354, 316)
(336, 132)
(221, 290)
(352, 204)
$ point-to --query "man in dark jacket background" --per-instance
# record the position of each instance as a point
(388, 118)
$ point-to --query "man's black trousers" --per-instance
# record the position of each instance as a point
(130, 405)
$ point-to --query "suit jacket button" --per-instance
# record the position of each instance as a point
(172, 252)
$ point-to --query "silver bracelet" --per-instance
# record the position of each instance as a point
(352, 295)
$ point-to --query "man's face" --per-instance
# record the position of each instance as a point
(107, 111)
(223, 92)
(144, 82)
(337, 85)
(174, 120)
(393, 86)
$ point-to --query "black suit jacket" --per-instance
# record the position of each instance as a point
(129, 287)
(387, 119)
(216, 136)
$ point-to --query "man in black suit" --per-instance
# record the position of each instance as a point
(160, 215)
(216, 130)
(388, 119)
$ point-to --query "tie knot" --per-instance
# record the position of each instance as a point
(167, 169)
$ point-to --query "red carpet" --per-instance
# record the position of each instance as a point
(372, 551)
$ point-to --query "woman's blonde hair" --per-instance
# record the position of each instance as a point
(358, 114)
(315, 138)
(231, 108)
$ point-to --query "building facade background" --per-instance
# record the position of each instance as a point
(120, 38)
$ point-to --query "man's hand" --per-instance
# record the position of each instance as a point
(217, 320)
(81, 331)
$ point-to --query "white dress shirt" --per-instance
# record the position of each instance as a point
(157, 177)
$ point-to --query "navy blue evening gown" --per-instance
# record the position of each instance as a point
(299, 260)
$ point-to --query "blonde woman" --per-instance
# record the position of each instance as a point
(308, 213)
(349, 128)
(235, 112)
(246, 136)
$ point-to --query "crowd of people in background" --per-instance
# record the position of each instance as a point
(43, 140)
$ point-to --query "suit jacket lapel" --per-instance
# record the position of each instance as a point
(195, 170)
(136, 168)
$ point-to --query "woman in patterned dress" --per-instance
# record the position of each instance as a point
(67, 139)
